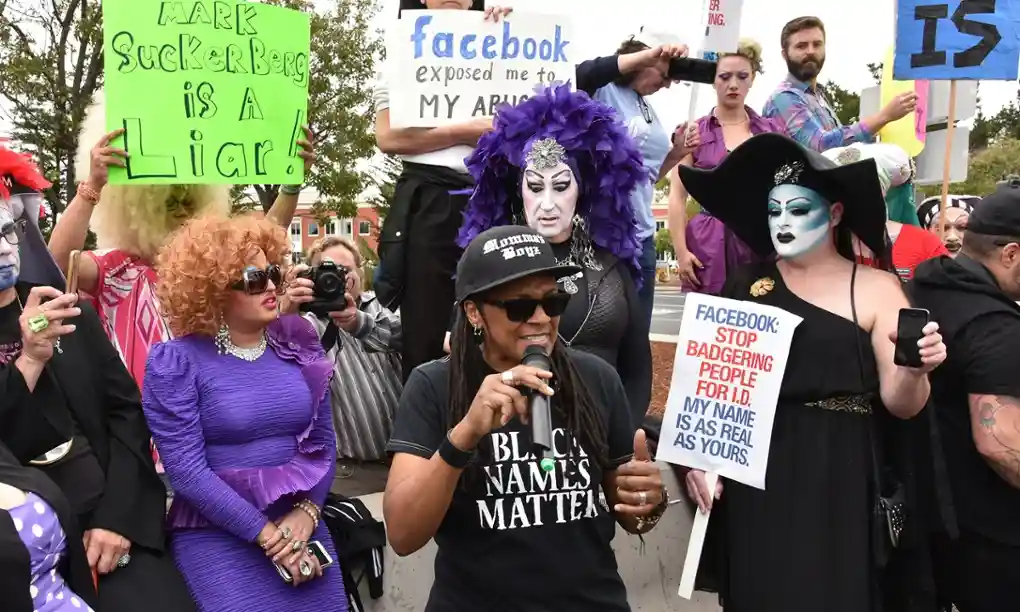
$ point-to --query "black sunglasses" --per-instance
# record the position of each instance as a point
(520, 310)
(255, 280)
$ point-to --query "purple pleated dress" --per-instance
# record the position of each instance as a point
(242, 442)
(719, 249)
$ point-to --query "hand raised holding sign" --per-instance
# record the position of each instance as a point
(102, 157)
(900, 106)
(307, 152)
(494, 13)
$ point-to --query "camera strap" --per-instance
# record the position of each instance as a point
(331, 337)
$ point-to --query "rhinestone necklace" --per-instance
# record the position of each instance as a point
(247, 354)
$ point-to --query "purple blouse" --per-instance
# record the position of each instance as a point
(712, 149)
(237, 437)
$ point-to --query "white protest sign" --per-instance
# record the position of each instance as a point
(722, 27)
(451, 66)
(729, 367)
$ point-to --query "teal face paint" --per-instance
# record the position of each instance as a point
(798, 220)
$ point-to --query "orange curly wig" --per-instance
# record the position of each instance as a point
(200, 262)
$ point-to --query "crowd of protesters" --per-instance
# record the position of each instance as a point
(890, 487)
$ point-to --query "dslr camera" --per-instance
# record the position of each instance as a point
(330, 288)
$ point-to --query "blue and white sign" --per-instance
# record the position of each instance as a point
(730, 360)
(965, 39)
(451, 66)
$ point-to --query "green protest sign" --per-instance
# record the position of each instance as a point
(212, 91)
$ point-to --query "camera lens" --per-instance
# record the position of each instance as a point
(329, 284)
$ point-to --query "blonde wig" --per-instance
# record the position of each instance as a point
(140, 218)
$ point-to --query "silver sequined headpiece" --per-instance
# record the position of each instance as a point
(789, 174)
(546, 154)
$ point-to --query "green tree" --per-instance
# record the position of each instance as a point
(846, 104)
(663, 242)
(386, 174)
(341, 65)
(875, 68)
(51, 63)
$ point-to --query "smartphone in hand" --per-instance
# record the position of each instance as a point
(909, 331)
(72, 272)
(320, 554)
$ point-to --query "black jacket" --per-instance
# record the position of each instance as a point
(15, 565)
(105, 403)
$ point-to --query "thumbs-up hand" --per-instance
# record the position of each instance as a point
(638, 482)
(641, 452)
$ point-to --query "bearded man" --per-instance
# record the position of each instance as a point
(801, 105)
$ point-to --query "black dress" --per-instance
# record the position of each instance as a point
(605, 318)
(803, 544)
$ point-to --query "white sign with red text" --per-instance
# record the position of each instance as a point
(730, 360)
(722, 27)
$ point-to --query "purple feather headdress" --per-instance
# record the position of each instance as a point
(598, 148)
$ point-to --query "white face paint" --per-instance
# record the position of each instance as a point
(550, 200)
(798, 220)
(10, 260)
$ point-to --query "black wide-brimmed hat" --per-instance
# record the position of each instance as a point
(736, 191)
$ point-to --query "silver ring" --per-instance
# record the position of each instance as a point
(643, 498)
(287, 533)
(296, 546)
(124, 560)
(508, 378)
(305, 568)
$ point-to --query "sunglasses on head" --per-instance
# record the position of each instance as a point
(255, 280)
(520, 310)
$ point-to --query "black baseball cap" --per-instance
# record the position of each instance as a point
(503, 254)
(998, 214)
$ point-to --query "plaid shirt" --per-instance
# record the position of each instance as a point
(809, 119)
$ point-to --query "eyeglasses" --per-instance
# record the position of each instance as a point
(9, 232)
(255, 280)
(520, 310)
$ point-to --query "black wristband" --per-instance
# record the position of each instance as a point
(454, 456)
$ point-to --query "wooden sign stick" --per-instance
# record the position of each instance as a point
(696, 542)
(950, 127)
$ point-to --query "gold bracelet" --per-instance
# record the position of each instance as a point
(310, 509)
(313, 508)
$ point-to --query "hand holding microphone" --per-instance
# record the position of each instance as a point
(499, 399)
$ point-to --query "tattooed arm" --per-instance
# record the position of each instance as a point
(995, 421)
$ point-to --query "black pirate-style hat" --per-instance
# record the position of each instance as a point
(736, 191)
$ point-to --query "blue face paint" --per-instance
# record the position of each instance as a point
(799, 220)
(10, 262)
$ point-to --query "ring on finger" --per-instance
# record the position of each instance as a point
(508, 378)
(643, 498)
(286, 533)
(38, 323)
(296, 546)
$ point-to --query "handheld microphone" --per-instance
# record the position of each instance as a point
(539, 412)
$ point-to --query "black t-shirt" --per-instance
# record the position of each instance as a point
(516, 538)
(79, 474)
(983, 362)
